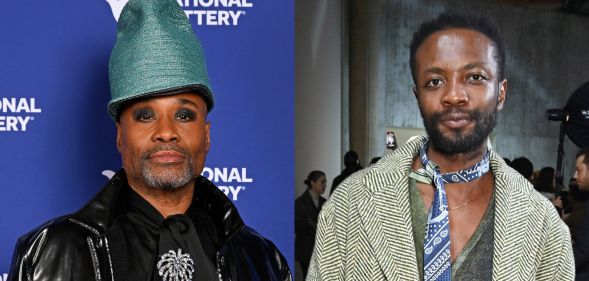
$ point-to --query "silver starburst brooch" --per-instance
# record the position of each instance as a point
(174, 266)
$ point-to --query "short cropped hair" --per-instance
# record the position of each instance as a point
(524, 166)
(584, 152)
(455, 19)
(351, 159)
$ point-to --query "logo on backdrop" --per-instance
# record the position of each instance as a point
(204, 12)
(116, 6)
(232, 181)
(17, 113)
(4, 277)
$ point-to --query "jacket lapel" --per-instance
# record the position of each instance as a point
(511, 209)
(385, 213)
(100, 211)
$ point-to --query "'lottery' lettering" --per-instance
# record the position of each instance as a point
(14, 123)
(214, 17)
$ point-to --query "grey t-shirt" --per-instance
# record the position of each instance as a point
(475, 261)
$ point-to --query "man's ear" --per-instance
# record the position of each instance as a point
(208, 135)
(502, 93)
(119, 136)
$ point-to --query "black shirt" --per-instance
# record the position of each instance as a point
(150, 242)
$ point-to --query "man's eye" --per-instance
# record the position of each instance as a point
(478, 77)
(144, 115)
(185, 115)
(434, 83)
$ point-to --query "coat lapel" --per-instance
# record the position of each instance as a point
(511, 197)
(385, 213)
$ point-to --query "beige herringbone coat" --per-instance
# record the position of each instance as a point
(365, 230)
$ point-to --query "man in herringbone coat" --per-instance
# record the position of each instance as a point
(374, 226)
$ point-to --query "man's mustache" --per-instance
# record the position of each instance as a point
(456, 113)
(165, 147)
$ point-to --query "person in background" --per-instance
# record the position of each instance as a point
(544, 183)
(574, 218)
(581, 245)
(507, 161)
(524, 166)
(582, 169)
(307, 208)
(351, 165)
(374, 160)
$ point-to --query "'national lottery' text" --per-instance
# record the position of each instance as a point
(17, 113)
(215, 12)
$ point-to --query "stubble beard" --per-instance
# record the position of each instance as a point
(583, 183)
(168, 177)
(460, 141)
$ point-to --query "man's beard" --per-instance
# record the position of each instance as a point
(461, 142)
(167, 177)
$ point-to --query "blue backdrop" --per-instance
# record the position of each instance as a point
(57, 142)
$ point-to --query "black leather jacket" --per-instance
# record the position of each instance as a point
(75, 247)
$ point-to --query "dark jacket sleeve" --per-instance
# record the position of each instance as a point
(249, 256)
(305, 224)
(56, 252)
(14, 272)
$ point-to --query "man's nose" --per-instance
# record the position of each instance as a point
(454, 93)
(165, 131)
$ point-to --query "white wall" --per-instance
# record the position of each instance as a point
(317, 90)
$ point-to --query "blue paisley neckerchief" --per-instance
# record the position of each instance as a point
(436, 248)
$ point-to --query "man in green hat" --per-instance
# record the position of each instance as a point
(157, 218)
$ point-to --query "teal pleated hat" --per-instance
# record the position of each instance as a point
(156, 53)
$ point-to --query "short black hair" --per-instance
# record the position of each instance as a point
(467, 20)
(374, 160)
(584, 152)
(351, 159)
(545, 179)
(524, 166)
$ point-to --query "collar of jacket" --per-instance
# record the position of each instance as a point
(99, 213)
(308, 199)
(391, 228)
